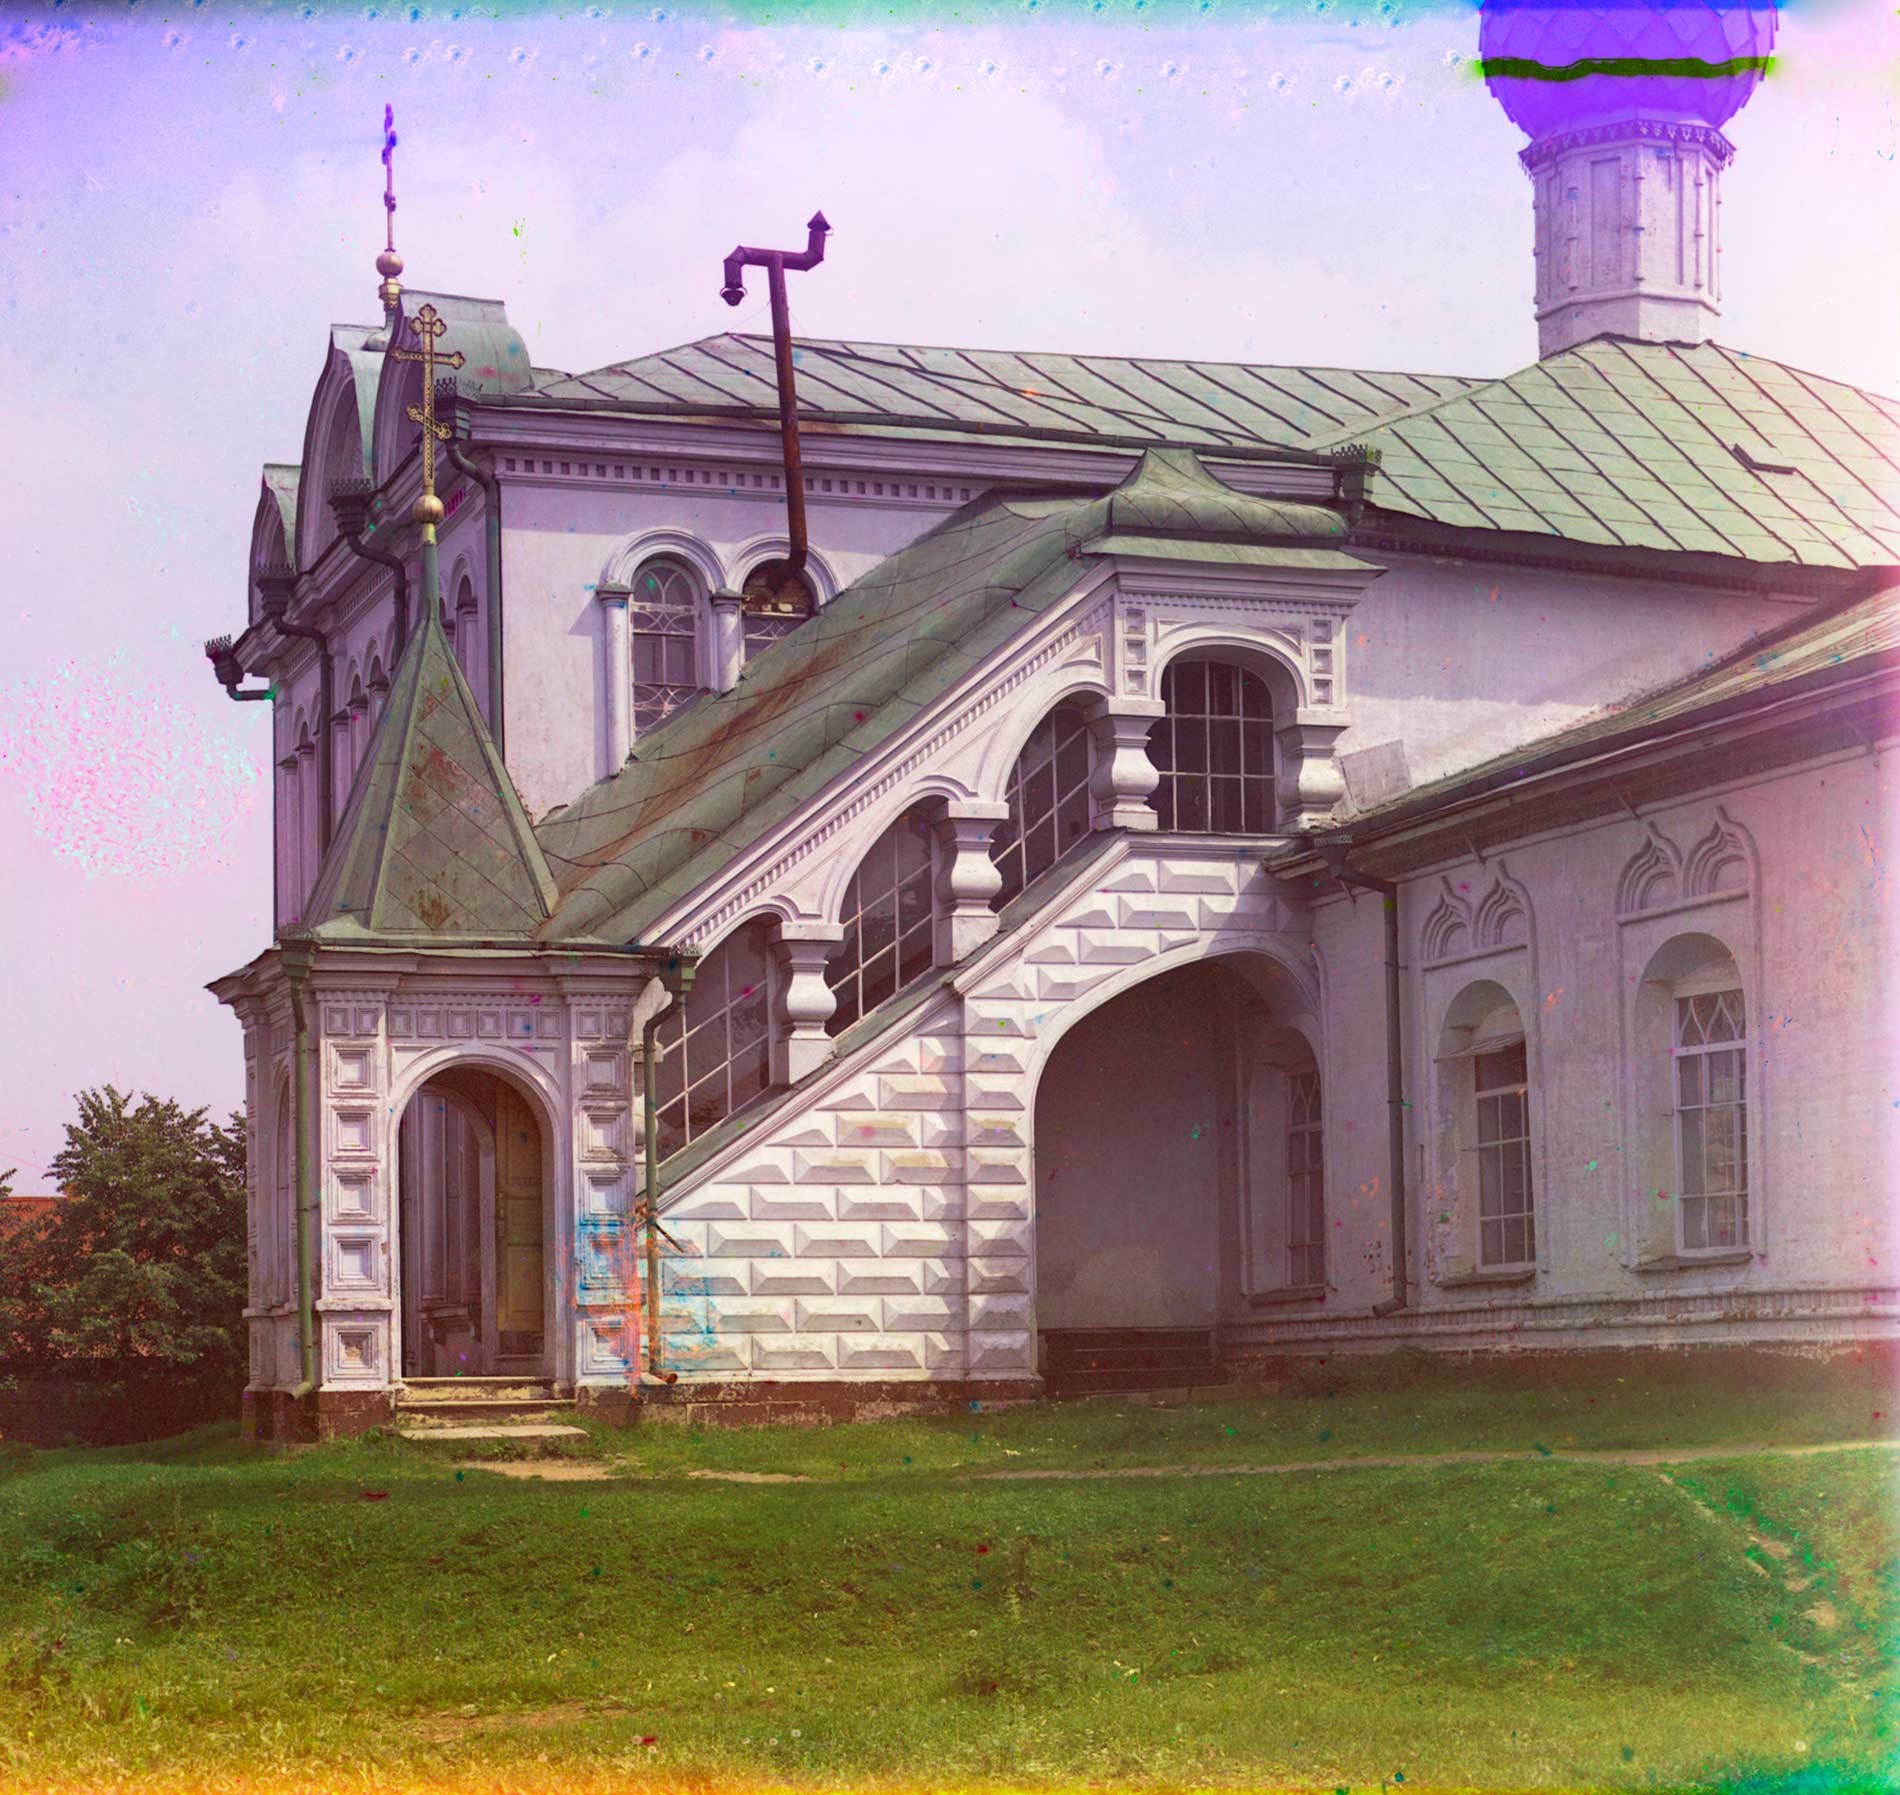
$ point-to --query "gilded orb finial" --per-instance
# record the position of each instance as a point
(427, 509)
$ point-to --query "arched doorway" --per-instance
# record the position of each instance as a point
(1152, 1161)
(473, 1229)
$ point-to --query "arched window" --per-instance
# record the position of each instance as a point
(1305, 1180)
(777, 601)
(1282, 1148)
(358, 728)
(1050, 809)
(1690, 1103)
(715, 1049)
(663, 614)
(1214, 750)
(468, 635)
(889, 921)
(1484, 1091)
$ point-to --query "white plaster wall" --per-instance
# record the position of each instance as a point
(1812, 936)
(1465, 660)
(557, 540)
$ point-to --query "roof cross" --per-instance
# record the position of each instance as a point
(428, 326)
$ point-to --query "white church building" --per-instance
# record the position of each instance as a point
(1201, 863)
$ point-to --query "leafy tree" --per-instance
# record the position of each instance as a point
(138, 1274)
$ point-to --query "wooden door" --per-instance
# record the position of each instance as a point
(518, 1226)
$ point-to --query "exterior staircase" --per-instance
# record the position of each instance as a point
(1109, 1361)
(483, 1408)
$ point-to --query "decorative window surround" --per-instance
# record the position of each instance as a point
(1277, 616)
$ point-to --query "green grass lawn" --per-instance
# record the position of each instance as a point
(374, 1615)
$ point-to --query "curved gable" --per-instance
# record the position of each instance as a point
(494, 361)
(337, 433)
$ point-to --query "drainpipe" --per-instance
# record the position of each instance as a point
(1333, 850)
(463, 462)
(678, 980)
(297, 966)
(275, 588)
(350, 504)
(230, 672)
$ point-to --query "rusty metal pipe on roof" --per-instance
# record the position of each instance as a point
(775, 262)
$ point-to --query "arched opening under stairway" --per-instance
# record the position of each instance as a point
(1162, 1184)
(474, 1230)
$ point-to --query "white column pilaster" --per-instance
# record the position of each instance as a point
(616, 674)
(968, 879)
(1124, 776)
(805, 1001)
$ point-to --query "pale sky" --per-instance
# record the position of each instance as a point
(190, 194)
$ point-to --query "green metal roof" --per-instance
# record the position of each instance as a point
(1656, 446)
(1857, 636)
(1671, 447)
(280, 481)
(725, 770)
(433, 846)
(1206, 405)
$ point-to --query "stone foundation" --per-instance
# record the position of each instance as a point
(277, 1418)
(761, 1402)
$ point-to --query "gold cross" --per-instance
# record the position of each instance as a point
(428, 326)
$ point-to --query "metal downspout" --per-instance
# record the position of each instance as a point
(1334, 854)
(465, 463)
(383, 558)
(302, 1118)
(678, 981)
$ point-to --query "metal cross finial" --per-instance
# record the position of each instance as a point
(389, 264)
(428, 326)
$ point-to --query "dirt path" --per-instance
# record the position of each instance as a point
(594, 1470)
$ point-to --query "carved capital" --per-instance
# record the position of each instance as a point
(968, 879)
(1124, 778)
(1310, 780)
(805, 1001)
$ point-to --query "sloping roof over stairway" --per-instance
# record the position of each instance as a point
(720, 774)
(433, 846)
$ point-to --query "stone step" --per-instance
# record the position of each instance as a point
(477, 1389)
(500, 1430)
(1115, 1383)
(430, 1413)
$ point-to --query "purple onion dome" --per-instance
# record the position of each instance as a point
(1554, 36)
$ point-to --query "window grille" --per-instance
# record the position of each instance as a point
(1049, 805)
(1214, 750)
(1506, 1231)
(1711, 1123)
(889, 917)
(1305, 1182)
(715, 1048)
(663, 614)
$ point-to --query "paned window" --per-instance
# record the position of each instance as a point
(1049, 805)
(777, 601)
(1506, 1233)
(1214, 750)
(889, 913)
(715, 1049)
(1305, 1182)
(663, 614)
(1711, 1122)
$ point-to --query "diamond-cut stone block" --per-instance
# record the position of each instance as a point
(879, 1354)
(838, 1317)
